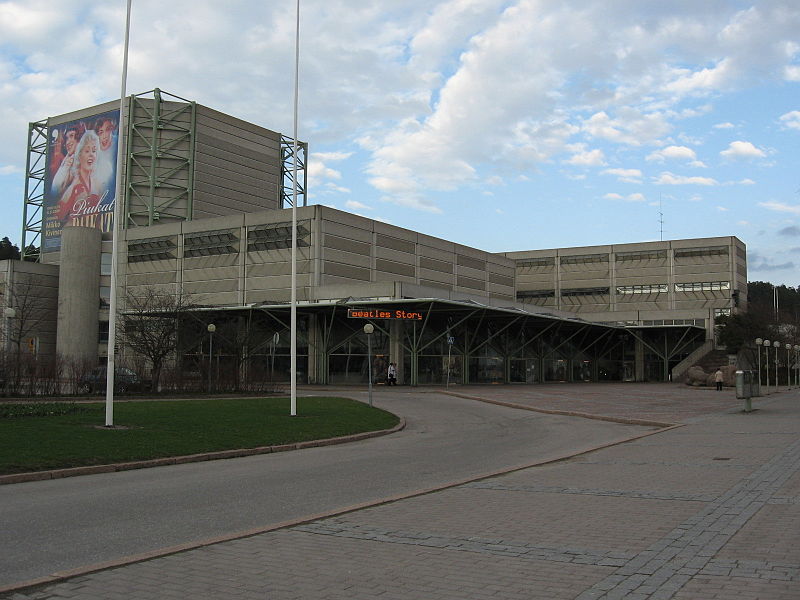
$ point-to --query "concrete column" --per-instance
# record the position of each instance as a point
(79, 297)
(396, 350)
(639, 367)
(315, 351)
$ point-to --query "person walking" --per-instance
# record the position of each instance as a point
(718, 378)
(391, 374)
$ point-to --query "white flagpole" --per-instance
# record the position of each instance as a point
(118, 213)
(293, 345)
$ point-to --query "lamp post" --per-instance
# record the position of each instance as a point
(766, 361)
(211, 329)
(776, 344)
(796, 365)
(759, 343)
(788, 366)
(368, 329)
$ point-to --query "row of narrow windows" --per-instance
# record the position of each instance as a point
(657, 288)
(547, 261)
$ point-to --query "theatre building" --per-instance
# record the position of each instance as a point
(205, 219)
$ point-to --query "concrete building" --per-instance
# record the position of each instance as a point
(651, 283)
(204, 218)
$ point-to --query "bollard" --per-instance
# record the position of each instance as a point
(744, 388)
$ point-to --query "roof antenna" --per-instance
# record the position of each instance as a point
(660, 218)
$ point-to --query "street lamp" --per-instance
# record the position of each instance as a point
(788, 364)
(766, 363)
(369, 329)
(796, 365)
(211, 329)
(759, 342)
(776, 344)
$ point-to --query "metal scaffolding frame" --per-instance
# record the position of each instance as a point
(159, 174)
(33, 207)
(287, 171)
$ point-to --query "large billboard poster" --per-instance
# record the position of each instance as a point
(80, 184)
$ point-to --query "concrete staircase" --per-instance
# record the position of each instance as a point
(710, 361)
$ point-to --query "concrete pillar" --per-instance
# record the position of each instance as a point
(396, 350)
(79, 297)
(639, 360)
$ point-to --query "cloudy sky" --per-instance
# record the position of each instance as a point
(500, 124)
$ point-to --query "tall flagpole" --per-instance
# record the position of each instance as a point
(119, 201)
(293, 346)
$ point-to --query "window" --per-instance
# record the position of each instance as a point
(653, 288)
(597, 291)
(547, 261)
(643, 255)
(105, 296)
(210, 243)
(722, 312)
(105, 263)
(696, 252)
(703, 286)
(580, 259)
(536, 294)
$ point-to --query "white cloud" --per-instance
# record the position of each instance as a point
(675, 153)
(722, 209)
(626, 175)
(724, 126)
(637, 197)
(703, 80)
(667, 178)
(781, 207)
(747, 182)
(355, 205)
(10, 170)
(741, 149)
(630, 127)
(791, 73)
(791, 119)
(590, 158)
(331, 156)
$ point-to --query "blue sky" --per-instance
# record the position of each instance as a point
(505, 125)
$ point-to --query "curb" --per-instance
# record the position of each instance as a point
(567, 413)
(191, 458)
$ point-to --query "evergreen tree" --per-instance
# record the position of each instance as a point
(8, 250)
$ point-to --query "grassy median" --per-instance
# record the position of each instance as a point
(54, 436)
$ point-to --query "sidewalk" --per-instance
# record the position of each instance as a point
(704, 511)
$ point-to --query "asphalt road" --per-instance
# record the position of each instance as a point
(54, 525)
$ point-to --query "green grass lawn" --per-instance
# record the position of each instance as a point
(163, 428)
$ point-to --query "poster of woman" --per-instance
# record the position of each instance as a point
(80, 184)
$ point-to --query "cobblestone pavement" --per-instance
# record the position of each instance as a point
(709, 510)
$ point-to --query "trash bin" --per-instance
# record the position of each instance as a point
(744, 388)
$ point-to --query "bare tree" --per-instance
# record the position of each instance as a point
(29, 311)
(150, 326)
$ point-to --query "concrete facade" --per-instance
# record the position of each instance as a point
(650, 283)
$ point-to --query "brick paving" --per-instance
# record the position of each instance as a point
(706, 511)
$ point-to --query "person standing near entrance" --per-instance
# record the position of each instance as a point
(391, 374)
(718, 378)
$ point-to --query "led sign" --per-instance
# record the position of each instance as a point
(374, 313)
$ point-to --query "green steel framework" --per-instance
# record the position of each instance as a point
(33, 206)
(159, 166)
(154, 163)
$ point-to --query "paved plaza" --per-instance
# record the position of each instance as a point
(706, 510)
